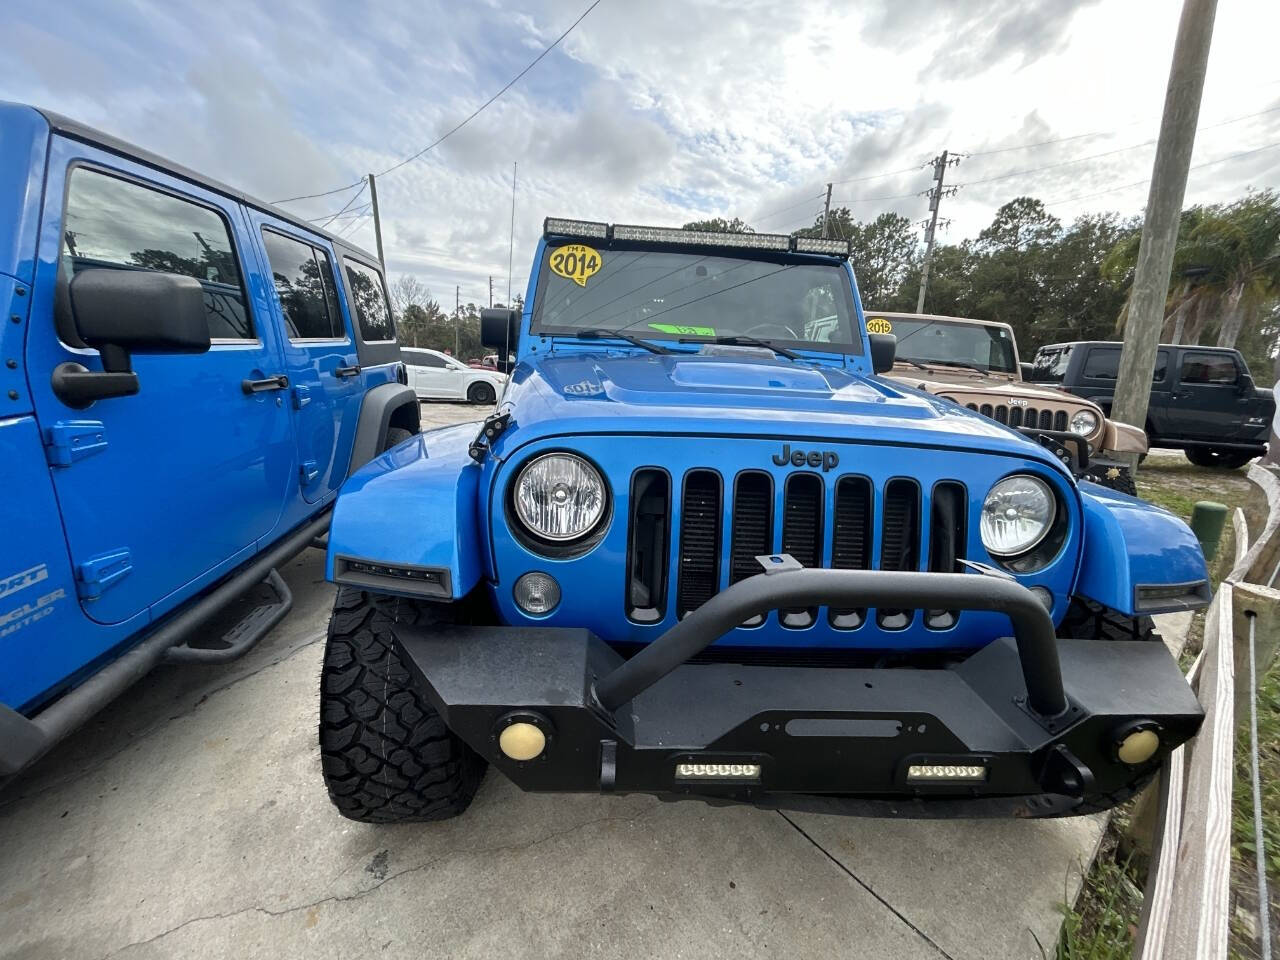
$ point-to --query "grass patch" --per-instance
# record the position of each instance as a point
(1104, 922)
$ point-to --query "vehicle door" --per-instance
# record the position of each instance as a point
(1097, 378)
(1162, 377)
(320, 350)
(416, 368)
(1205, 403)
(163, 490)
(435, 376)
(459, 376)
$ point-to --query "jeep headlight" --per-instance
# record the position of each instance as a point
(1084, 422)
(1016, 514)
(559, 496)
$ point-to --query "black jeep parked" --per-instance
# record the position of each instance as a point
(1203, 399)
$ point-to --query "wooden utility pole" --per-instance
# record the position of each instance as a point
(377, 220)
(936, 193)
(1164, 210)
(826, 214)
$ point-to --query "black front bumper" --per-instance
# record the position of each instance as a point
(840, 740)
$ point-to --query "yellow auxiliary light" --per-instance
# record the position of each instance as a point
(522, 741)
(1138, 747)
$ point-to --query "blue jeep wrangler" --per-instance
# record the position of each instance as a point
(701, 550)
(187, 376)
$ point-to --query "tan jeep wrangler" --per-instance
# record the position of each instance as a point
(975, 363)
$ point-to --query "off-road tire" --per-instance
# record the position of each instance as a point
(481, 393)
(1223, 458)
(1122, 481)
(386, 754)
(395, 435)
(1086, 620)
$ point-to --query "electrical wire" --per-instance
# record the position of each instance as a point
(354, 197)
(1138, 183)
(798, 203)
(475, 113)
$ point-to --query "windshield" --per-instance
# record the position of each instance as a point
(665, 295)
(957, 344)
(1050, 364)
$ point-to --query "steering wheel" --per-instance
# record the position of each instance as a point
(790, 334)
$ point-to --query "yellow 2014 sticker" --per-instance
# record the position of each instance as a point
(576, 262)
(879, 325)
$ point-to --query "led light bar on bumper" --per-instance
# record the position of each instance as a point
(780, 242)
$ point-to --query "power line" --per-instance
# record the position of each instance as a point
(1108, 153)
(792, 206)
(475, 113)
(898, 196)
(311, 196)
(878, 176)
(1138, 183)
(358, 211)
(354, 197)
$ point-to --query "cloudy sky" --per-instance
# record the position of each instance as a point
(655, 112)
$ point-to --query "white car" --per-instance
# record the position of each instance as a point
(438, 376)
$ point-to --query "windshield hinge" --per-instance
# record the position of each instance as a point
(70, 440)
(490, 430)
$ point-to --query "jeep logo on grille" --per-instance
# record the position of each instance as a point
(826, 459)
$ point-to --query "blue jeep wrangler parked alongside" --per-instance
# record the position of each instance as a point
(701, 550)
(187, 376)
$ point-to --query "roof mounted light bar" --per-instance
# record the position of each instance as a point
(780, 242)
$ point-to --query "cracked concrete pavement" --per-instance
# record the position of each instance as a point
(189, 820)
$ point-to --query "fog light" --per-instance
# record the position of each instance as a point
(522, 741)
(1045, 597)
(537, 593)
(718, 771)
(946, 773)
(1138, 747)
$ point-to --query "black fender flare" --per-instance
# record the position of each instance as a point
(385, 406)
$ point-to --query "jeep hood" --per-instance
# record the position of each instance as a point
(970, 384)
(611, 392)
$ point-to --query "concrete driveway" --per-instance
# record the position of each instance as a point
(189, 820)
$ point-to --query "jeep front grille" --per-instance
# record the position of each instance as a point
(870, 527)
(1023, 416)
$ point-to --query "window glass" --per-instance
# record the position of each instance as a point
(306, 295)
(1051, 364)
(371, 302)
(1161, 367)
(120, 225)
(1102, 363)
(946, 344)
(670, 295)
(431, 360)
(1208, 368)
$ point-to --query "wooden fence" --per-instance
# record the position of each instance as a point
(1185, 911)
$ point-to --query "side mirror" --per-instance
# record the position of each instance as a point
(1028, 371)
(123, 312)
(1244, 386)
(499, 329)
(884, 347)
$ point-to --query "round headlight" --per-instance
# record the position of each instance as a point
(559, 496)
(1083, 423)
(1016, 514)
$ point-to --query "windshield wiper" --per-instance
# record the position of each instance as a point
(743, 340)
(961, 363)
(914, 363)
(595, 333)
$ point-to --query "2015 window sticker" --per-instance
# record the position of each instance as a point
(576, 262)
(879, 325)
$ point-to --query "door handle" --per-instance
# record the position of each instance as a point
(343, 372)
(278, 382)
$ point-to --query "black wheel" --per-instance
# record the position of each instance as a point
(395, 435)
(1114, 476)
(481, 393)
(1086, 620)
(386, 754)
(1221, 457)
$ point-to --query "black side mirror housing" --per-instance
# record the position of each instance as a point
(123, 312)
(139, 311)
(884, 348)
(500, 329)
(1028, 371)
(1245, 385)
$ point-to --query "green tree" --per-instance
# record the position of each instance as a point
(720, 225)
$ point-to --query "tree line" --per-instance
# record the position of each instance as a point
(1052, 281)
(1048, 280)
